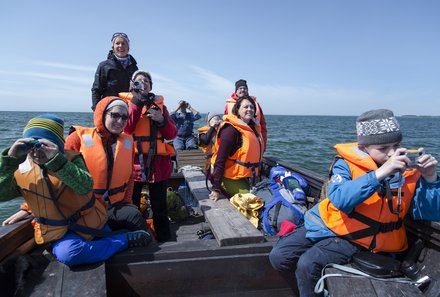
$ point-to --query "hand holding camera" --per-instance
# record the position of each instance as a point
(413, 156)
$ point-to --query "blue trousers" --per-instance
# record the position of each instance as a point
(185, 143)
(300, 260)
(74, 250)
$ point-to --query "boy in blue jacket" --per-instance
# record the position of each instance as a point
(373, 185)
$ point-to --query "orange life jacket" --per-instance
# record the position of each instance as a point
(57, 207)
(207, 149)
(371, 224)
(92, 149)
(142, 133)
(246, 160)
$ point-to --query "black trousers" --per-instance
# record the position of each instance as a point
(158, 200)
(126, 216)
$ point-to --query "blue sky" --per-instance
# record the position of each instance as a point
(317, 57)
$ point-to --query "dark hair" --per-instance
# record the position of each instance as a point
(238, 104)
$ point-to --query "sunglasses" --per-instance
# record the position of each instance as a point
(116, 116)
(119, 34)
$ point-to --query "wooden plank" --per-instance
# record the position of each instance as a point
(203, 274)
(12, 236)
(228, 225)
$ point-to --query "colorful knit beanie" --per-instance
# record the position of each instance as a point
(47, 126)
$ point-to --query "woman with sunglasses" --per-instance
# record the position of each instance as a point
(108, 154)
(113, 75)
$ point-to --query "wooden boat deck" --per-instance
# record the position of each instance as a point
(234, 264)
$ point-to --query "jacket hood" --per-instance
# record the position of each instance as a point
(99, 114)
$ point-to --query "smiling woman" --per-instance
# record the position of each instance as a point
(235, 165)
(113, 75)
(108, 154)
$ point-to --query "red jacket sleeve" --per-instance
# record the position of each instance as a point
(134, 113)
(73, 142)
(169, 130)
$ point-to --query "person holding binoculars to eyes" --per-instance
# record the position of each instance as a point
(184, 116)
(58, 191)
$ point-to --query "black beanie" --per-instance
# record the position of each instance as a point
(240, 83)
(378, 126)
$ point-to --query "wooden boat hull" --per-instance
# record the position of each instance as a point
(188, 266)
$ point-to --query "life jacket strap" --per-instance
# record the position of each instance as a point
(147, 138)
(112, 191)
(252, 166)
(374, 228)
(65, 222)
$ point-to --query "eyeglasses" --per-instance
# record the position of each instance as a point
(119, 34)
(116, 116)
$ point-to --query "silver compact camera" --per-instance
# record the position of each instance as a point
(137, 85)
(413, 155)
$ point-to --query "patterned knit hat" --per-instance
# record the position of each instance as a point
(378, 126)
(240, 83)
(47, 126)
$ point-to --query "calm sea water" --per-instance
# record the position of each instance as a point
(301, 140)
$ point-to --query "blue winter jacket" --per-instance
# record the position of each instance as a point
(185, 122)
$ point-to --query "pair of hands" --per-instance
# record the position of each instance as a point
(41, 154)
(153, 113)
(184, 104)
(426, 165)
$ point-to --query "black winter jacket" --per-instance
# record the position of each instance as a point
(111, 78)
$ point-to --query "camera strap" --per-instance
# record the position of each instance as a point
(389, 196)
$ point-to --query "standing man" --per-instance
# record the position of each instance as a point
(241, 89)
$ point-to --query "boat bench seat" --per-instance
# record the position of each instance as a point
(228, 225)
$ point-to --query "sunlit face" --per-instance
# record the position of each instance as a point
(116, 119)
(380, 153)
(120, 47)
(246, 111)
(241, 91)
(146, 82)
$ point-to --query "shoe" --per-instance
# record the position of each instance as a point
(138, 238)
